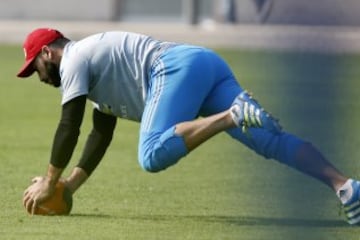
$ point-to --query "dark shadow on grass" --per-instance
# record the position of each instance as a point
(231, 220)
(91, 215)
(268, 221)
(248, 221)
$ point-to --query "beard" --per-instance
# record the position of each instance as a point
(53, 74)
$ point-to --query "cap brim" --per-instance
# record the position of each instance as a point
(27, 69)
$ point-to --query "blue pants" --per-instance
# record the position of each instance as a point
(187, 82)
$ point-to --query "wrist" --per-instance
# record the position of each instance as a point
(77, 177)
(53, 174)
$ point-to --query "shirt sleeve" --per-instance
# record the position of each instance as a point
(67, 133)
(75, 77)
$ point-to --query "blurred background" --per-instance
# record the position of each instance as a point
(286, 24)
(320, 12)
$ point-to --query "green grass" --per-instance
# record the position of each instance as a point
(220, 191)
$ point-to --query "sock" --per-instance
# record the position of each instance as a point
(345, 192)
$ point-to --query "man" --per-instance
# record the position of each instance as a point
(165, 86)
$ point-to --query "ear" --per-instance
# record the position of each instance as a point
(46, 52)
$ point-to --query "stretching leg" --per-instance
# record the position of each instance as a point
(284, 147)
(180, 93)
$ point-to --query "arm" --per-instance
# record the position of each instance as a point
(66, 137)
(63, 146)
(98, 141)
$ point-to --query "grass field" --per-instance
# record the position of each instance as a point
(221, 191)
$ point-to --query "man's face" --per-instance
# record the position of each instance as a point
(48, 71)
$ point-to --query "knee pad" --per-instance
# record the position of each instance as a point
(162, 152)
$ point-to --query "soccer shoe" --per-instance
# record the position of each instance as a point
(246, 112)
(351, 206)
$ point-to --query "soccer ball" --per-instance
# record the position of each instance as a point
(59, 204)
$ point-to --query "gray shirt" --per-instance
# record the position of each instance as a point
(111, 68)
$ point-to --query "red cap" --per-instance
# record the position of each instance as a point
(33, 45)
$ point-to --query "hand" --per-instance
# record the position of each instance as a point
(39, 191)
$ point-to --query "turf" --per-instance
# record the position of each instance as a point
(220, 191)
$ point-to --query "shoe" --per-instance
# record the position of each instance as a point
(351, 207)
(246, 112)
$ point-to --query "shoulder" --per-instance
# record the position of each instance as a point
(73, 59)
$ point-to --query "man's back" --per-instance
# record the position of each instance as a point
(111, 68)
